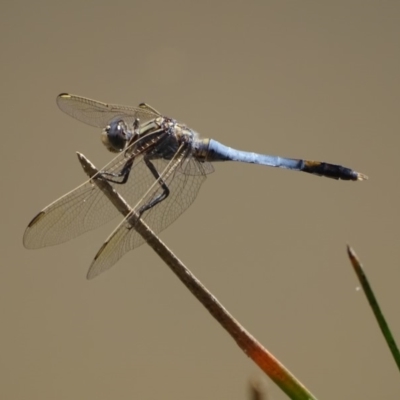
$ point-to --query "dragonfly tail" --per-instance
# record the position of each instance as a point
(220, 152)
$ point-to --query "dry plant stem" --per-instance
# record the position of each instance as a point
(266, 361)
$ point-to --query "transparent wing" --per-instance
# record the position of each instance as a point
(96, 113)
(183, 176)
(86, 208)
(75, 213)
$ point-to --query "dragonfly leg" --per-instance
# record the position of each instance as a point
(160, 197)
(124, 173)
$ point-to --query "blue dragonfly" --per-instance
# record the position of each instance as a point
(158, 169)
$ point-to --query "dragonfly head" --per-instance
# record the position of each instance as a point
(116, 136)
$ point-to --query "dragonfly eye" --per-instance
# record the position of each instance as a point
(116, 136)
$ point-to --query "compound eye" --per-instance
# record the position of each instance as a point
(116, 136)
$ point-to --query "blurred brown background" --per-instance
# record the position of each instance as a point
(308, 79)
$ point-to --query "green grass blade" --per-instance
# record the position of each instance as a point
(374, 305)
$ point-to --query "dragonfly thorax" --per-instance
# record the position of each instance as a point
(116, 136)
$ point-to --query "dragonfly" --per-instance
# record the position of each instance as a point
(159, 167)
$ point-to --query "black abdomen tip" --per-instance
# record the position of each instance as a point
(333, 171)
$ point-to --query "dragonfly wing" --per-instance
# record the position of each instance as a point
(183, 184)
(96, 113)
(80, 210)
(195, 168)
(77, 212)
(86, 208)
